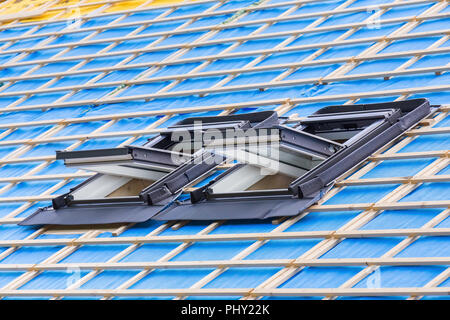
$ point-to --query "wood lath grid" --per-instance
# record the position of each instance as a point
(121, 77)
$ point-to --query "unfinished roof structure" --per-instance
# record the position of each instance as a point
(86, 84)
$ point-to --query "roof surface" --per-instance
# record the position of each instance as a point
(128, 69)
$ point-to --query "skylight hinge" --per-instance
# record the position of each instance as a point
(198, 194)
(179, 178)
(156, 196)
(61, 201)
(308, 188)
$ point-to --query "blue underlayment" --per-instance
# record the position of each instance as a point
(197, 84)
(401, 219)
(73, 80)
(131, 124)
(181, 38)
(226, 64)
(8, 276)
(244, 226)
(203, 51)
(400, 276)
(25, 85)
(150, 252)
(14, 169)
(80, 128)
(222, 250)
(26, 133)
(288, 25)
(234, 32)
(58, 236)
(57, 280)
(361, 248)
(321, 277)
(373, 298)
(42, 99)
(114, 33)
(353, 17)
(265, 13)
(306, 109)
(254, 77)
(433, 142)
(310, 277)
(30, 188)
(193, 9)
(323, 221)
(13, 232)
(378, 66)
(7, 208)
(13, 32)
(406, 11)
(42, 54)
(55, 67)
(121, 75)
(407, 44)
(361, 194)
(32, 254)
(28, 298)
(432, 25)
(161, 27)
(375, 31)
(283, 249)
(235, 4)
(429, 192)
(142, 16)
(94, 253)
(242, 278)
(103, 62)
(344, 51)
(444, 171)
(427, 247)
(138, 230)
(318, 7)
(253, 45)
(443, 123)
(171, 278)
(13, 71)
(398, 168)
(109, 279)
(26, 43)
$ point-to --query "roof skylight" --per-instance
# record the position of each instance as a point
(274, 167)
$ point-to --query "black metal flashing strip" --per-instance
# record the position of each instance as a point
(91, 215)
(238, 208)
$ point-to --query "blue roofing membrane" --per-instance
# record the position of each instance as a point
(44, 108)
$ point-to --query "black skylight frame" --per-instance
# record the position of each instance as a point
(380, 124)
(68, 210)
(359, 130)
